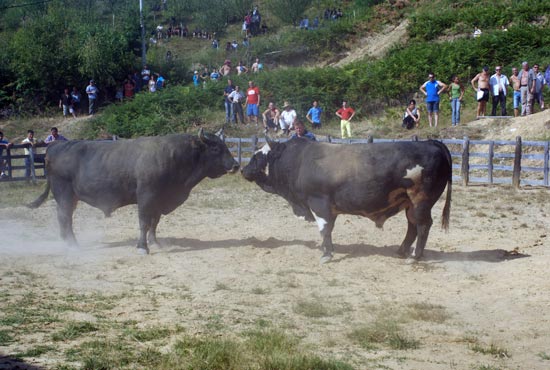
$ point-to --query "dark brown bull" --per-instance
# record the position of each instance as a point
(321, 181)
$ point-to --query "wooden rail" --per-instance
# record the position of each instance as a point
(474, 161)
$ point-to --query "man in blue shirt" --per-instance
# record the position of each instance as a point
(300, 131)
(432, 89)
(314, 115)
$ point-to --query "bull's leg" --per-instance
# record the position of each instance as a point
(145, 222)
(66, 203)
(423, 225)
(405, 247)
(320, 208)
(65, 211)
(152, 237)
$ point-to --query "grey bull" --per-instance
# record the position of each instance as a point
(156, 173)
(377, 181)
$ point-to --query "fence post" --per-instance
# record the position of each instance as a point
(329, 139)
(31, 159)
(8, 153)
(370, 139)
(490, 164)
(414, 138)
(517, 164)
(255, 142)
(239, 151)
(465, 171)
(546, 162)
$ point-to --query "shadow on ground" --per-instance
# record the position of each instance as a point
(180, 245)
(13, 363)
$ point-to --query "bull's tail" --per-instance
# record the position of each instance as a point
(447, 208)
(445, 217)
(38, 202)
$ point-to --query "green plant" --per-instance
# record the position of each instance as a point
(73, 330)
(492, 349)
(382, 332)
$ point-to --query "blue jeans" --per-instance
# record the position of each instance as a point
(228, 110)
(455, 108)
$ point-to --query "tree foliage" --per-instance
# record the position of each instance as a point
(289, 11)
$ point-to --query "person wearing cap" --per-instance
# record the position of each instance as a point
(287, 118)
(499, 84)
(482, 90)
(92, 91)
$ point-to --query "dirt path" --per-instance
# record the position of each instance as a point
(237, 254)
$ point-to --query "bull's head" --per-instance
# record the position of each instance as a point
(218, 158)
(258, 168)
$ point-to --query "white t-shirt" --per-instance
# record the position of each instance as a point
(286, 119)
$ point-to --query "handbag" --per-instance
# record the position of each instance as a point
(480, 95)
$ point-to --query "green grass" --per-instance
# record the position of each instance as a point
(73, 330)
(5, 337)
(427, 312)
(36, 351)
(312, 308)
(383, 332)
(492, 349)
(544, 356)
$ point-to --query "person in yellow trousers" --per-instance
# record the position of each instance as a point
(345, 113)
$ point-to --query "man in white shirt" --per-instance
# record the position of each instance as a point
(499, 83)
(287, 118)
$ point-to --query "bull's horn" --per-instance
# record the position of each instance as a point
(220, 132)
(269, 141)
(201, 135)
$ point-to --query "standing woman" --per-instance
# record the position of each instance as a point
(456, 92)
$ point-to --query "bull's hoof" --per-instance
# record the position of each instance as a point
(326, 258)
(143, 251)
(411, 260)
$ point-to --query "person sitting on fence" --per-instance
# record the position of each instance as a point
(54, 136)
(411, 117)
(30, 148)
(3, 163)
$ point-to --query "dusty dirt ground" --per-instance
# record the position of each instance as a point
(231, 234)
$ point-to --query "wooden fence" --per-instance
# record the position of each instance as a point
(474, 161)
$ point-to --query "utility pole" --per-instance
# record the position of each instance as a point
(143, 51)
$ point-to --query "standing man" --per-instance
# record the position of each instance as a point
(314, 115)
(527, 86)
(482, 90)
(92, 91)
(226, 102)
(499, 83)
(66, 102)
(346, 114)
(252, 102)
(236, 98)
(145, 76)
(54, 136)
(538, 88)
(3, 163)
(431, 89)
(516, 85)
